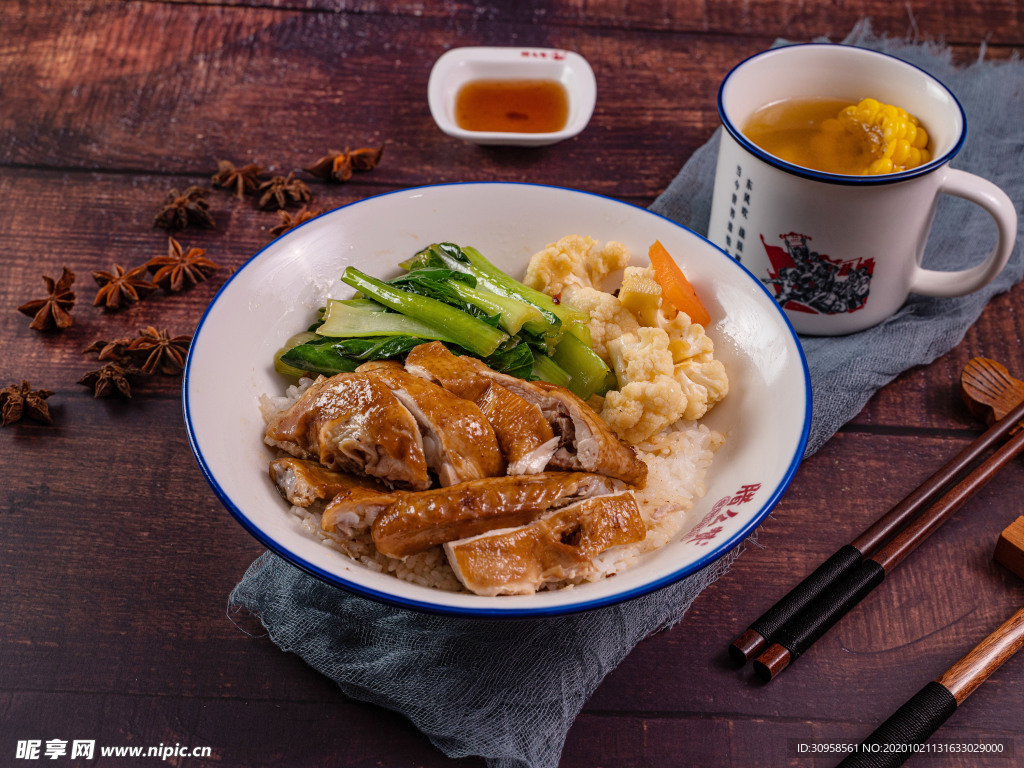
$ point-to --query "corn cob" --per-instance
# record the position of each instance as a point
(897, 140)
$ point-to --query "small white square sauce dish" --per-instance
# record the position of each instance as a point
(460, 66)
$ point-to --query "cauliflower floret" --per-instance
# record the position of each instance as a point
(608, 318)
(643, 408)
(602, 261)
(649, 398)
(574, 261)
(641, 356)
(709, 376)
(696, 395)
(687, 340)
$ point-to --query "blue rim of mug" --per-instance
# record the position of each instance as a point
(839, 178)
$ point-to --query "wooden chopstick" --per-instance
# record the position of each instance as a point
(763, 631)
(921, 716)
(831, 605)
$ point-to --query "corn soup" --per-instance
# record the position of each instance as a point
(835, 136)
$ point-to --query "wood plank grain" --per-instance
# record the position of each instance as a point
(248, 734)
(996, 21)
(239, 733)
(658, 741)
(112, 88)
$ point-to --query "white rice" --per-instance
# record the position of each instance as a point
(677, 461)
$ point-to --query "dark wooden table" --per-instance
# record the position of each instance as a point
(116, 559)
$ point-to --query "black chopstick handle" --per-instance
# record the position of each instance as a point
(829, 607)
(824, 576)
(893, 741)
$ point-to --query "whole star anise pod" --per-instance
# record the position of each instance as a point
(162, 352)
(111, 379)
(184, 208)
(243, 180)
(115, 349)
(334, 166)
(180, 268)
(17, 401)
(54, 310)
(120, 288)
(290, 222)
(366, 158)
(281, 191)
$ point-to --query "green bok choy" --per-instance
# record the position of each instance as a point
(456, 296)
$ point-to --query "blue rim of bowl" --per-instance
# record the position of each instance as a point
(513, 613)
(838, 178)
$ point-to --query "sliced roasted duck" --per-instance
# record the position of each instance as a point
(458, 441)
(353, 500)
(524, 435)
(585, 442)
(302, 481)
(561, 545)
(418, 521)
(353, 509)
(352, 422)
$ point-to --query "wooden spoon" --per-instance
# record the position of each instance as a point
(988, 389)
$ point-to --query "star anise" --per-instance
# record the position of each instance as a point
(115, 349)
(184, 208)
(162, 352)
(290, 222)
(243, 180)
(180, 268)
(17, 401)
(281, 191)
(338, 166)
(366, 158)
(334, 166)
(53, 311)
(111, 379)
(121, 288)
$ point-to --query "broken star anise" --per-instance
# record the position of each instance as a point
(366, 158)
(120, 288)
(180, 268)
(338, 166)
(115, 349)
(281, 191)
(290, 222)
(334, 166)
(17, 401)
(54, 310)
(242, 180)
(163, 352)
(184, 208)
(111, 379)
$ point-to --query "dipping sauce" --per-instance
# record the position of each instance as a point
(514, 106)
(836, 136)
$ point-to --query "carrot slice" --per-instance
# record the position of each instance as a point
(674, 285)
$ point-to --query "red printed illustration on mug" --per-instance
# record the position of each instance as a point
(807, 281)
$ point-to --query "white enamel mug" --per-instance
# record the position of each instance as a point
(842, 253)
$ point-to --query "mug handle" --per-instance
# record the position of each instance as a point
(982, 192)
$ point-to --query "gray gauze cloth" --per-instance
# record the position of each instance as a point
(508, 690)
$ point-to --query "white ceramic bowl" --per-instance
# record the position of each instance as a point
(461, 65)
(765, 417)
